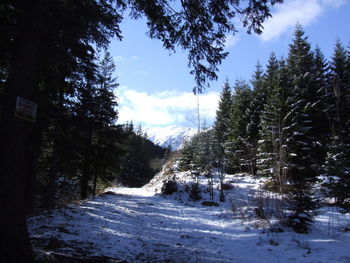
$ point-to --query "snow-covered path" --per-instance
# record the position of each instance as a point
(137, 226)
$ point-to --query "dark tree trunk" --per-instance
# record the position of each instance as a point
(17, 136)
(85, 177)
(95, 185)
(52, 186)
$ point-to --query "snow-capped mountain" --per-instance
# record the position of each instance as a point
(173, 136)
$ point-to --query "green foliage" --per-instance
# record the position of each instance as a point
(169, 188)
(292, 127)
(236, 145)
(48, 55)
(255, 110)
(222, 118)
(142, 158)
(199, 152)
(337, 169)
(302, 208)
(200, 27)
(337, 165)
(302, 165)
(194, 192)
(272, 150)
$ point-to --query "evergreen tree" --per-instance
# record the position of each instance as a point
(186, 156)
(337, 170)
(337, 165)
(86, 146)
(341, 85)
(324, 92)
(235, 147)
(106, 132)
(254, 113)
(141, 160)
(302, 164)
(320, 108)
(105, 97)
(271, 75)
(271, 120)
(222, 121)
(272, 150)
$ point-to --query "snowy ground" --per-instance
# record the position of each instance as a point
(136, 225)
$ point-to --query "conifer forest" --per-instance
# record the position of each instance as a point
(77, 185)
(289, 124)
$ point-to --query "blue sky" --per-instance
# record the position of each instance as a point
(156, 87)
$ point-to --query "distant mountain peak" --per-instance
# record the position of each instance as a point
(173, 136)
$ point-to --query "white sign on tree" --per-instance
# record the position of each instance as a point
(25, 109)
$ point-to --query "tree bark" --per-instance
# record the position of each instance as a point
(84, 179)
(55, 159)
(17, 138)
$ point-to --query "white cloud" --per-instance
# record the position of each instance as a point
(292, 11)
(142, 72)
(334, 3)
(231, 41)
(125, 59)
(164, 108)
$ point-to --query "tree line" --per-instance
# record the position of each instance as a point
(49, 57)
(291, 124)
(83, 150)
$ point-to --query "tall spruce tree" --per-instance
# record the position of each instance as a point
(272, 114)
(303, 167)
(337, 165)
(235, 147)
(254, 113)
(324, 92)
(320, 108)
(272, 68)
(273, 145)
(107, 134)
(341, 79)
(222, 121)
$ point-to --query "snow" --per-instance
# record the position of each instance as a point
(138, 225)
(173, 135)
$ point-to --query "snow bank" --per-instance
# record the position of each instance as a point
(138, 225)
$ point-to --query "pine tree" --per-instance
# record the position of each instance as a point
(141, 159)
(337, 170)
(186, 156)
(320, 108)
(86, 108)
(106, 133)
(96, 144)
(271, 121)
(105, 94)
(222, 122)
(235, 147)
(324, 93)
(271, 75)
(302, 162)
(337, 165)
(341, 83)
(272, 150)
(254, 113)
